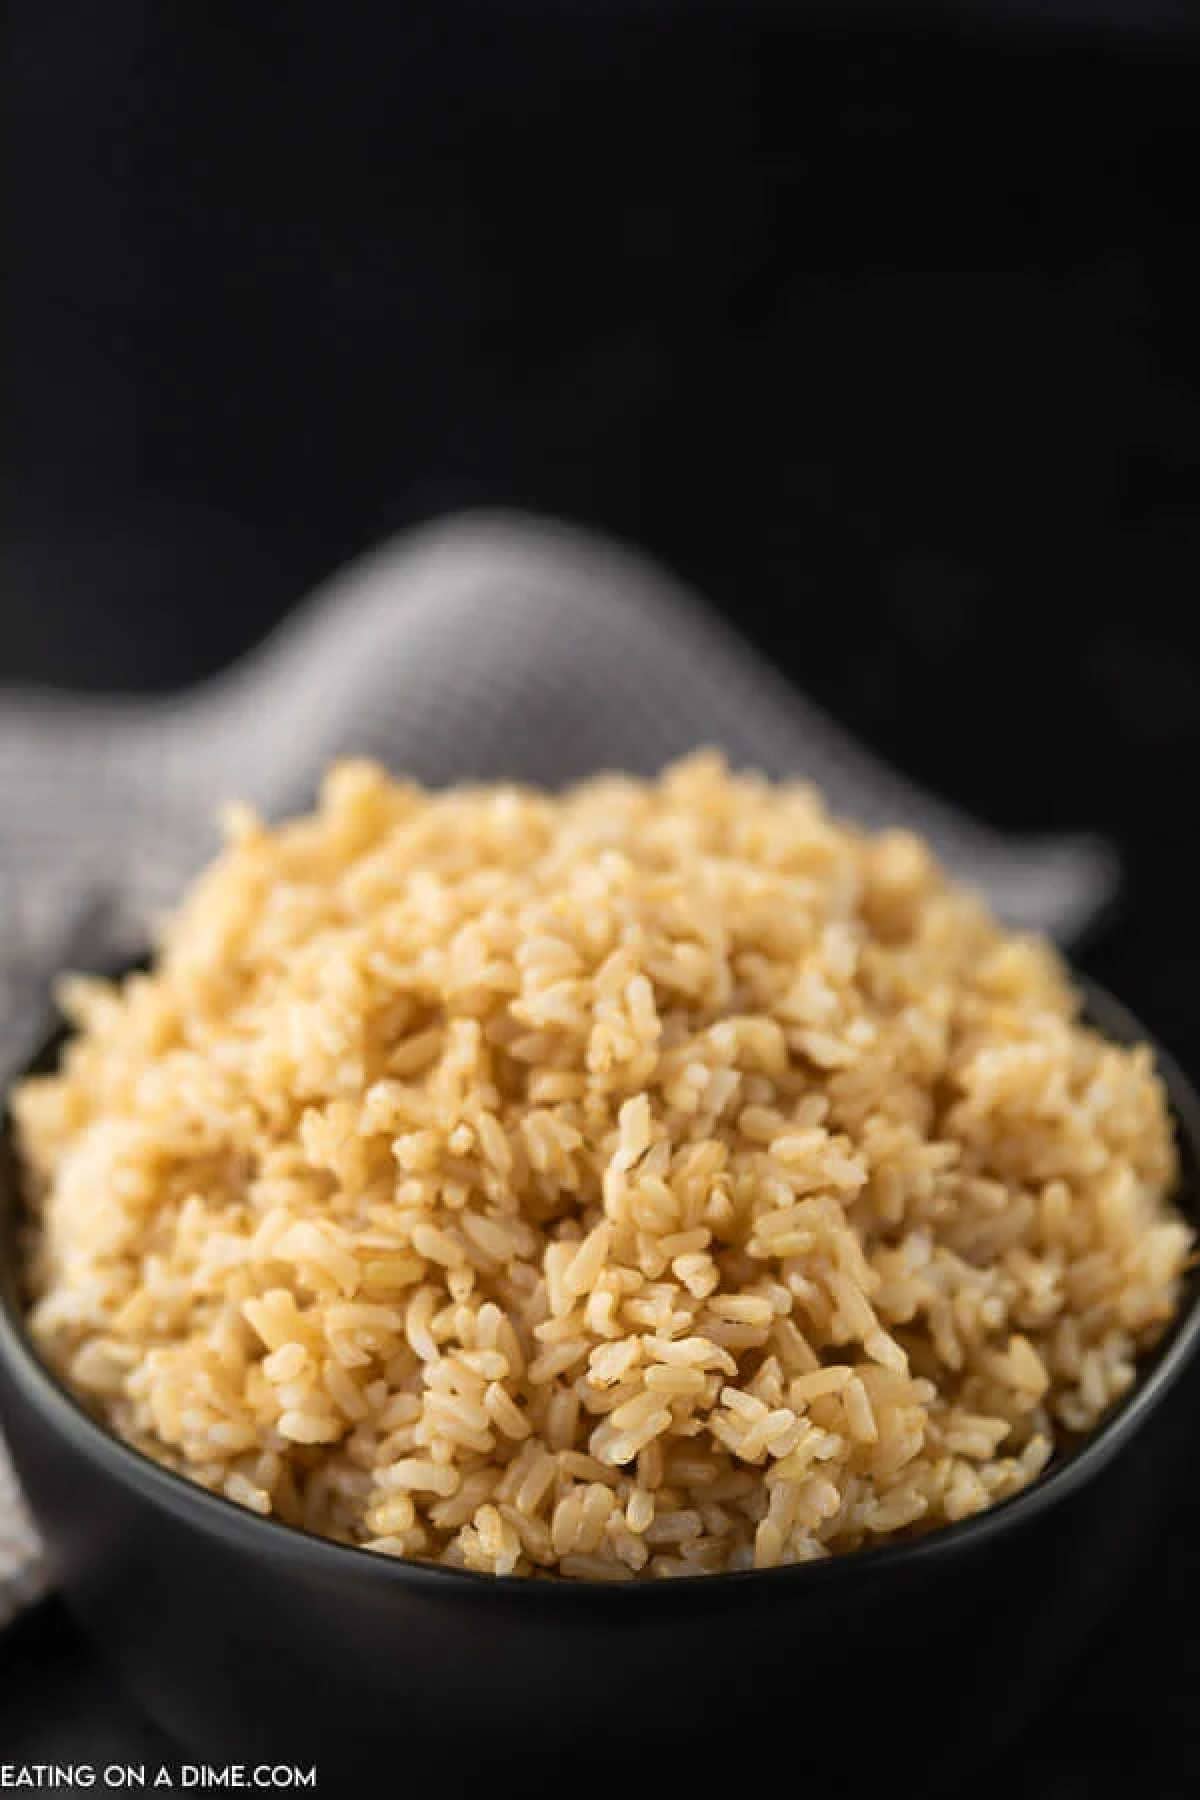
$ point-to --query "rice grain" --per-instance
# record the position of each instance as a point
(656, 1179)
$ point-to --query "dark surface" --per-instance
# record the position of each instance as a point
(220, 1621)
(885, 337)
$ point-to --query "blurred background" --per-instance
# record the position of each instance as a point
(877, 324)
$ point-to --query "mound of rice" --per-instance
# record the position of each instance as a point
(656, 1179)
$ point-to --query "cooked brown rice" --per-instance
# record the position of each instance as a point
(651, 1180)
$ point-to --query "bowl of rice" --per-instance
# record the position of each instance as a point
(588, 1257)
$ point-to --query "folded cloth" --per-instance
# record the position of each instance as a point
(487, 646)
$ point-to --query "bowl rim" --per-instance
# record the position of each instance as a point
(212, 1512)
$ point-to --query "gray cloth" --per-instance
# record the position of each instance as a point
(485, 646)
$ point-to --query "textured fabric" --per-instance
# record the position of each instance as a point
(488, 646)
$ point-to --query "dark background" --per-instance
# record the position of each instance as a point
(881, 327)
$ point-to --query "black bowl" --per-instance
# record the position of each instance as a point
(248, 1640)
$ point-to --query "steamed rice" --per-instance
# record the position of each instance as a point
(651, 1180)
